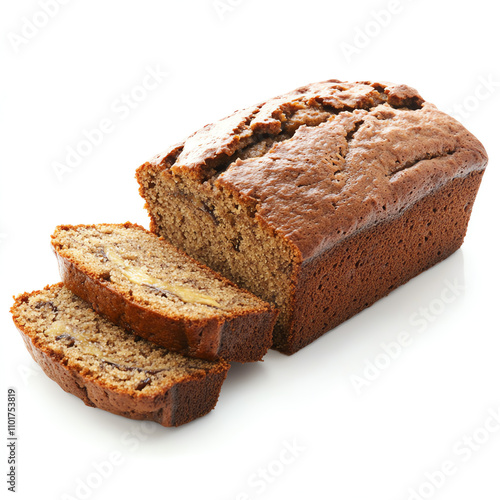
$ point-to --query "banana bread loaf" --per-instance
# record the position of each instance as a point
(320, 201)
(109, 368)
(142, 283)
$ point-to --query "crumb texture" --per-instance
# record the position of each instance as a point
(142, 267)
(142, 283)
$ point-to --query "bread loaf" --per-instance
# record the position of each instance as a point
(319, 201)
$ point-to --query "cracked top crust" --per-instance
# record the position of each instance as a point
(330, 158)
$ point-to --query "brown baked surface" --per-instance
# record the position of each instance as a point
(300, 175)
(371, 263)
(208, 317)
(109, 368)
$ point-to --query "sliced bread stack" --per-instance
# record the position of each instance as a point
(137, 327)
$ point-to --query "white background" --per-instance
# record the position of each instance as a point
(63, 78)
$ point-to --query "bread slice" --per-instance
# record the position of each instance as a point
(109, 368)
(142, 283)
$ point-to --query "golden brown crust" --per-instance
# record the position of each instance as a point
(363, 167)
(378, 149)
(177, 404)
(243, 337)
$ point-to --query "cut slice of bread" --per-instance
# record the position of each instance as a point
(110, 368)
(144, 284)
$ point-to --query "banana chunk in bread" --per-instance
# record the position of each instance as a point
(142, 283)
(110, 368)
(320, 201)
